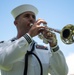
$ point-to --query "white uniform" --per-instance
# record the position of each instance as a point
(12, 56)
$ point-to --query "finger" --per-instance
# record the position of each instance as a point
(39, 21)
(49, 34)
(41, 29)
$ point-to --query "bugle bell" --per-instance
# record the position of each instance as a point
(67, 34)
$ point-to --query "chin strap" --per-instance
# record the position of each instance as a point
(26, 60)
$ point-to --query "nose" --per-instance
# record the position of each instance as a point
(32, 20)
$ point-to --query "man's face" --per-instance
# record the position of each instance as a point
(25, 19)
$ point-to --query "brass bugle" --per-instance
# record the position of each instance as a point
(66, 34)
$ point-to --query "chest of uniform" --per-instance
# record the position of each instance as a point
(43, 53)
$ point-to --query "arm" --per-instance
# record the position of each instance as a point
(58, 65)
(11, 52)
(15, 51)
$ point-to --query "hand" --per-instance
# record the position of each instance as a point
(51, 37)
(36, 28)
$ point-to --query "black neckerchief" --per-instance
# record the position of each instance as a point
(26, 60)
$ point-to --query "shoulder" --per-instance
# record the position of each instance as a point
(1, 41)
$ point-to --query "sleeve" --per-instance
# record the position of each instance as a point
(58, 65)
(14, 51)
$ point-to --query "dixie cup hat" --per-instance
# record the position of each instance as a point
(23, 8)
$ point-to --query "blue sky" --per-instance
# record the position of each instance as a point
(57, 13)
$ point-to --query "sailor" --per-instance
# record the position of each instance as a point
(22, 55)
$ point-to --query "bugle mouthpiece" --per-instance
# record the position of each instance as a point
(31, 24)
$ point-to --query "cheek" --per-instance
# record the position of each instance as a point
(25, 21)
(22, 22)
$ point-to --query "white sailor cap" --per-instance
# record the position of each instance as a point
(23, 8)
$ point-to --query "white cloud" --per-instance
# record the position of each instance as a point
(70, 62)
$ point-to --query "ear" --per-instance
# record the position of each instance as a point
(15, 22)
